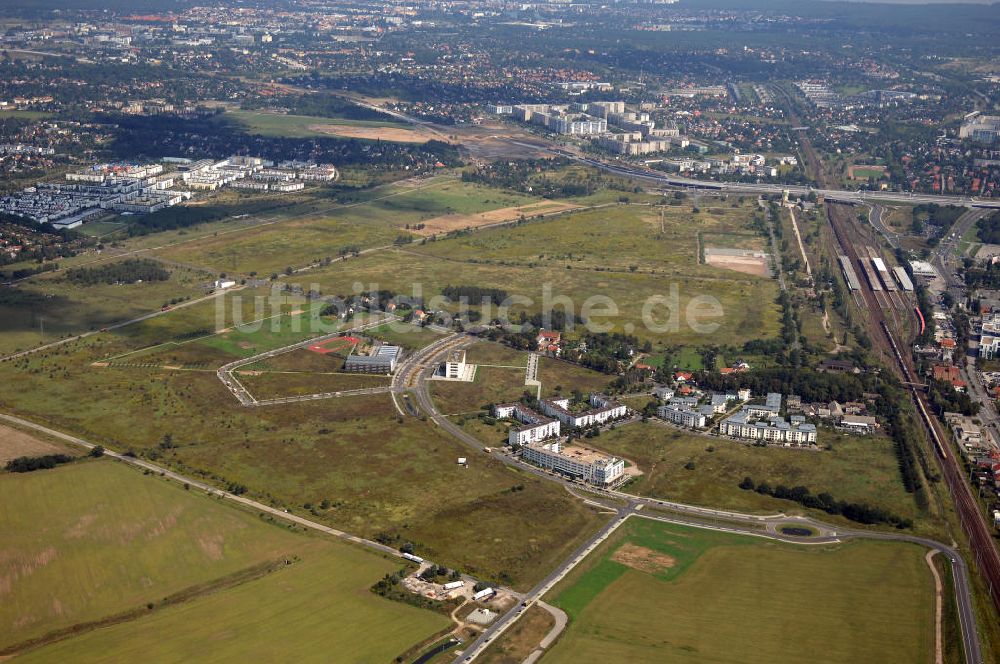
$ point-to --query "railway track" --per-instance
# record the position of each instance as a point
(975, 527)
(973, 524)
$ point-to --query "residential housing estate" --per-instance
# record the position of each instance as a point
(535, 425)
(537, 435)
(681, 411)
(604, 410)
(763, 422)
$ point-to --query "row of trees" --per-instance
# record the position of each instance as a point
(28, 464)
(475, 294)
(858, 512)
(811, 385)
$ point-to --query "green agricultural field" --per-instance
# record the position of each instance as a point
(98, 541)
(305, 612)
(376, 218)
(658, 592)
(854, 469)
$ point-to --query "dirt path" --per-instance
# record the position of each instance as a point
(561, 619)
(798, 238)
(938, 592)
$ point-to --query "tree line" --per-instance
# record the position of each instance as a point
(27, 464)
(475, 294)
(128, 271)
(858, 512)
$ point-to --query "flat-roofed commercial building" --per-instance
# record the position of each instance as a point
(382, 361)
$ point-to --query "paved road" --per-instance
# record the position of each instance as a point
(838, 195)
(876, 217)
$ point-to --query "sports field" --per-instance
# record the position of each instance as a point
(658, 592)
(97, 541)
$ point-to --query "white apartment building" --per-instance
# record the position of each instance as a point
(773, 429)
(536, 427)
(989, 339)
(604, 410)
(770, 408)
(683, 414)
(577, 462)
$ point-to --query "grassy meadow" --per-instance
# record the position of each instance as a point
(854, 468)
(376, 219)
(50, 306)
(294, 126)
(380, 475)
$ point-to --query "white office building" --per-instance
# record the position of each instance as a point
(454, 366)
